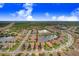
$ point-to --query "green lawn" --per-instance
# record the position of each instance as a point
(56, 46)
(15, 46)
(46, 47)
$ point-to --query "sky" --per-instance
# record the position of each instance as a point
(39, 11)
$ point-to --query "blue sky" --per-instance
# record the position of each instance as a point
(39, 12)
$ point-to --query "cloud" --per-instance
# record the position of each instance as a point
(29, 18)
(28, 5)
(75, 12)
(1, 5)
(67, 18)
(54, 17)
(73, 17)
(61, 18)
(64, 18)
(24, 14)
(47, 14)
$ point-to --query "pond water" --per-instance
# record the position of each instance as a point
(46, 38)
(3, 39)
(43, 38)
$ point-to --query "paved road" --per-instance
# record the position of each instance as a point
(69, 43)
(24, 40)
(6, 27)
